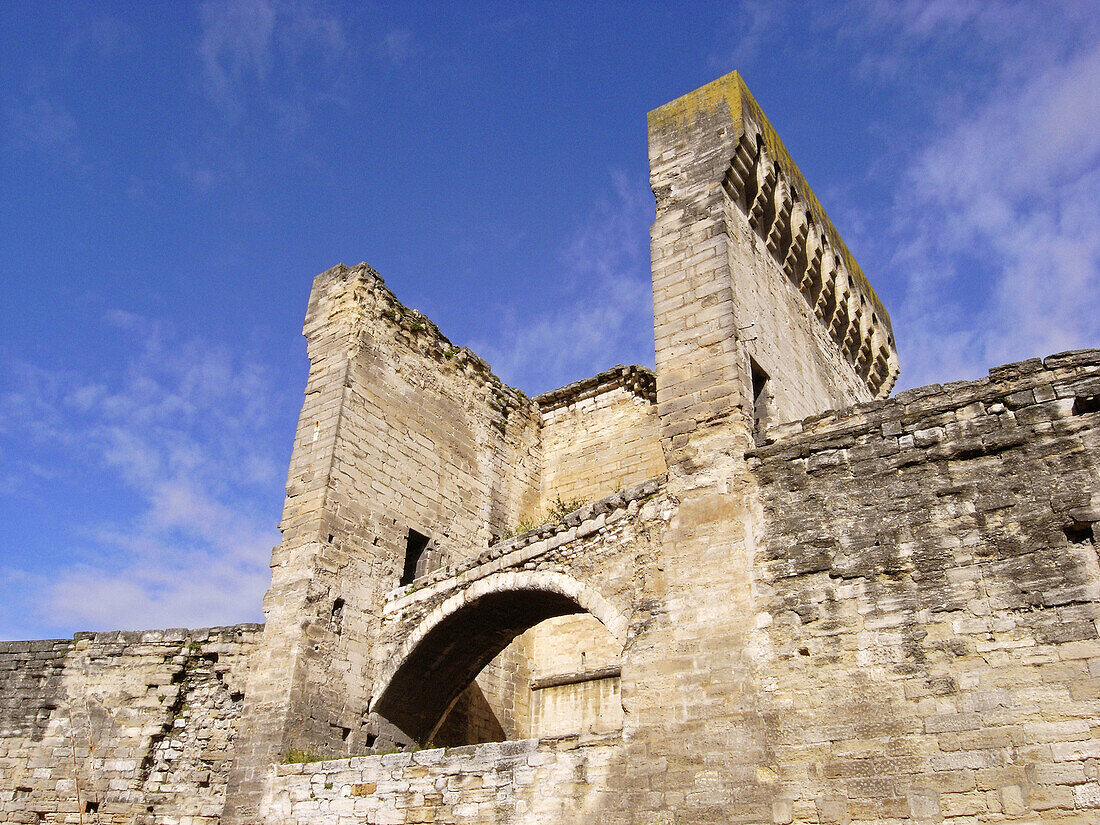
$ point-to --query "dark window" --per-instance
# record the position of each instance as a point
(415, 557)
(1083, 405)
(759, 398)
(1079, 532)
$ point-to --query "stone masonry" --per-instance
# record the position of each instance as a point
(121, 727)
(749, 587)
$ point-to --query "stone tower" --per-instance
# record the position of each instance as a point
(411, 455)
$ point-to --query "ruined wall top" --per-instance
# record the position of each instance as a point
(635, 379)
(730, 94)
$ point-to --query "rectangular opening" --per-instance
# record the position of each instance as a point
(415, 557)
(759, 398)
(1085, 404)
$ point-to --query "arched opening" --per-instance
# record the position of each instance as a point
(524, 660)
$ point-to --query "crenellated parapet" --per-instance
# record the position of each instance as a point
(780, 207)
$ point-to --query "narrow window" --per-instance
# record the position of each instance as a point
(759, 398)
(415, 559)
(338, 615)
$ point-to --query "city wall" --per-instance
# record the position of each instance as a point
(121, 727)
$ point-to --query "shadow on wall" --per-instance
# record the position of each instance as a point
(509, 665)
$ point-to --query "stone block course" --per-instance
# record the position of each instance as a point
(133, 726)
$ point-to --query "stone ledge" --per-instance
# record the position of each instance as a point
(563, 679)
(1010, 385)
(604, 506)
(172, 634)
(635, 379)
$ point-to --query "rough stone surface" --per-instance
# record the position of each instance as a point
(121, 727)
(779, 596)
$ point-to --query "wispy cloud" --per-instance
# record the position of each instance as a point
(997, 229)
(606, 315)
(246, 43)
(44, 127)
(747, 30)
(181, 432)
(399, 45)
(235, 47)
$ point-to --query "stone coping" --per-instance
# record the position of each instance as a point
(553, 533)
(171, 634)
(835, 428)
(461, 755)
(636, 379)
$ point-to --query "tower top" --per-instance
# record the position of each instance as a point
(728, 99)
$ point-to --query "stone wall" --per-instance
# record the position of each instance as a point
(121, 727)
(575, 665)
(528, 781)
(598, 436)
(898, 626)
(929, 598)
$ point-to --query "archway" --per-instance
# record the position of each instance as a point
(454, 643)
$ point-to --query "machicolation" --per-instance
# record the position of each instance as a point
(748, 586)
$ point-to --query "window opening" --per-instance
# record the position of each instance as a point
(415, 556)
(338, 615)
(759, 398)
(1083, 405)
(1079, 532)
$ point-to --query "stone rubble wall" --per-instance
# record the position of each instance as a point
(527, 781)
(123, 727)
(929, 596)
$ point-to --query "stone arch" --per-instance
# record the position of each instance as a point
(452, 644)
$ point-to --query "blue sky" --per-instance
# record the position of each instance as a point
(173, 176)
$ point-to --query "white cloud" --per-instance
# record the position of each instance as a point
(1003, 206)
(182, 431)
(44, 127)
(606, 316)
(244, 43)
(399, 45)
(750, 28)
(235, 45)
